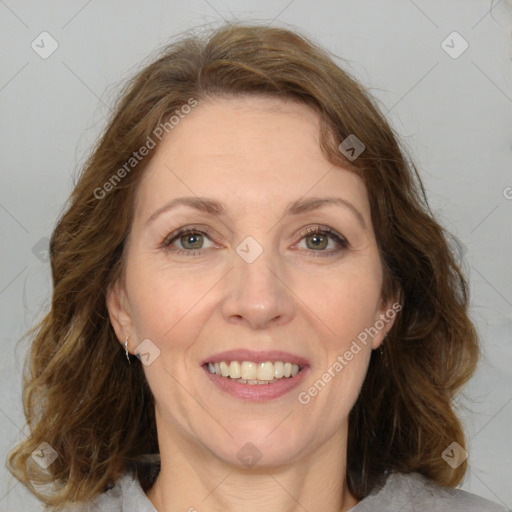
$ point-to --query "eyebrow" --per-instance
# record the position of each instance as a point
(300, 206)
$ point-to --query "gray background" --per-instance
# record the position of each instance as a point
(454, 115)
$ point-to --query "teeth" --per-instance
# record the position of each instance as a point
(254, 373)
(278, 369)
(234, 370)
(265, 371)
(249, 370)
(224, 369)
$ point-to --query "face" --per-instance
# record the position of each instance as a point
(272, 263)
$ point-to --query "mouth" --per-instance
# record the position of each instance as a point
(252, 373)
(255, 376)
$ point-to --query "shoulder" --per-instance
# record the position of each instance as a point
(126, 496)
(415, 493)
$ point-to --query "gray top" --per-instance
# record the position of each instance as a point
(401, 492)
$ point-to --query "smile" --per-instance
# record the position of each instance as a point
(252, 373)
(256, 375)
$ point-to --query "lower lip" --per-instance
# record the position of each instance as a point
(257, 392)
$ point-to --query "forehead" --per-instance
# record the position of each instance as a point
(251, 151)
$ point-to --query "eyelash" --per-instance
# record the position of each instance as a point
(316, 230)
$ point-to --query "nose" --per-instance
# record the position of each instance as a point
(257, 294)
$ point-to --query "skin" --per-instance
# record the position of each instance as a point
(255, 155)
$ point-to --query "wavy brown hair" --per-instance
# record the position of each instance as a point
(97, 412)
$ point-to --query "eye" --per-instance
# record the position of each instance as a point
(189, 241)
(319, 238)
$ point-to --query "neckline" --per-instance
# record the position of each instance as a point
(131, 480)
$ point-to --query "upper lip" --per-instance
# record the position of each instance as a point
(256, 357)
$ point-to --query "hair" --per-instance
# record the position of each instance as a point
(97, 412)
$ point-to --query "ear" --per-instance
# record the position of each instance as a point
(119, 311)
(384, 320)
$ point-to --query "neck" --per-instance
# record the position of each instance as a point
(192, 479)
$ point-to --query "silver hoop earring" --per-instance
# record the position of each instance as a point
(126, 350)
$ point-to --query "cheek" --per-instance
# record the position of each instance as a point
(348, 305)
(345, 303)
(162, 299)
(346, 310)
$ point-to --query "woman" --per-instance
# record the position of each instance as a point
(253, 304)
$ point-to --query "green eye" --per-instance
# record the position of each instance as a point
(318, 241)
(189, 241)
(192, 241)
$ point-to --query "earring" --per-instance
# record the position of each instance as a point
(381, 350)
(126, 350)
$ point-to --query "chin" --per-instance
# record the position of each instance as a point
(260, 446)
